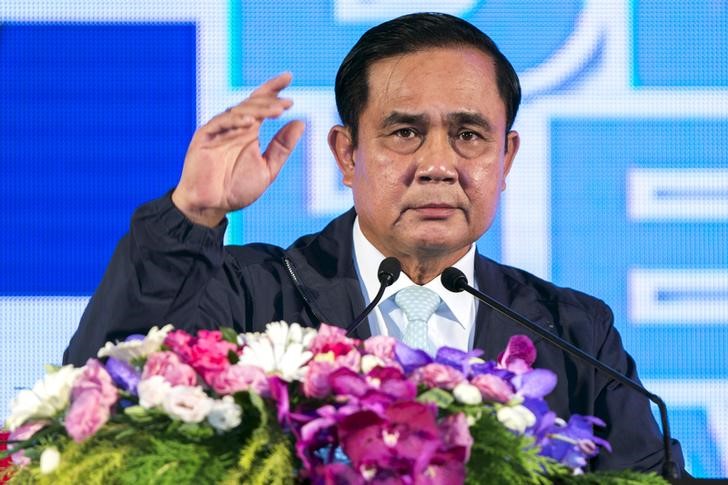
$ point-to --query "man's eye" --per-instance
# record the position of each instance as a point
(468, 135)
(405, 133)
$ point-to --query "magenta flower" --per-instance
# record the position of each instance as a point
(456, 436)
(519, 356)
(402, 441)
(332, 339)
(379, 388)
(169, 366)
(207, 353)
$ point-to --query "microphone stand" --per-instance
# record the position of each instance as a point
(388, 272)
(454, 280)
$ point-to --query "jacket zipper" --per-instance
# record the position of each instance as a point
(301, 289)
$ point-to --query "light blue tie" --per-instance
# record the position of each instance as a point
(418, 304)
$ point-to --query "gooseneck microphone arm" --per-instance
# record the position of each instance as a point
(454, 280)
(388, 272)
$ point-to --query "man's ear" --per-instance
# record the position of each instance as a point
(513, 141)
(342, 147)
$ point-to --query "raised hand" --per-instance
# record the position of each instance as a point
(224, 168)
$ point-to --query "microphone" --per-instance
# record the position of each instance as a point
(454, 280)
(388, 272)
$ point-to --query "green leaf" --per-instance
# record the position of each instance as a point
(139, 414)
(440, 397)
(229, 335)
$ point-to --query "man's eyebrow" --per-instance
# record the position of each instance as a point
(466, 118)
(399, 118)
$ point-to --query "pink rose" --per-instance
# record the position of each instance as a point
(169, 366)
(381, 346)
(86, 415)
(493, 388)
(240, 377)
(92, 396)
(316, 381)
(23, 433)
(438, 375)
(95, 378)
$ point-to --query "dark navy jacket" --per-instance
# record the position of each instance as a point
(168, 270)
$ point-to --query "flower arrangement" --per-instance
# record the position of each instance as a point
(297, 404)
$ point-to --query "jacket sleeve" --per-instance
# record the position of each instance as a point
(631, 429)
(164, 270)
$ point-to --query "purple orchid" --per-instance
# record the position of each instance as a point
(574, 443)
(491, 367)
(457, 358)
(409, 358)
(535, 383)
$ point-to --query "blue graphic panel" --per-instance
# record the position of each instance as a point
(95, 119)
(307, 39)
(680, 43)
(692, 428)
(590, 161)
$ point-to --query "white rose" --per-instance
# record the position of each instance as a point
(187, 403)
(225, 414)
(49, 396)
(467, 393)
(49, 460)
(516, 418)
(152, 391)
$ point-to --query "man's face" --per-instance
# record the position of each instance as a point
(431, 157)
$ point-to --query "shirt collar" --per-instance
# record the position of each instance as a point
(368, 258)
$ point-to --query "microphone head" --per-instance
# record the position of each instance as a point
(453, 279)
(389, 270)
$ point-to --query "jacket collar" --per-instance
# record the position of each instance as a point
(492, 330)
(324, 263)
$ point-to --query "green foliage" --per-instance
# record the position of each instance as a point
(499, 456)
(138, 451)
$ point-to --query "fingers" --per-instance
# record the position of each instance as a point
(282, 144)
(246, 114)
(273, 86)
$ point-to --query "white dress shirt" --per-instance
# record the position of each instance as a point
(452, 325)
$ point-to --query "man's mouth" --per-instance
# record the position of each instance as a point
(435, 210)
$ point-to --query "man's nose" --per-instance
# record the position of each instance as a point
(436, 161)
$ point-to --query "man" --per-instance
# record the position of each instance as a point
(427, 103)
